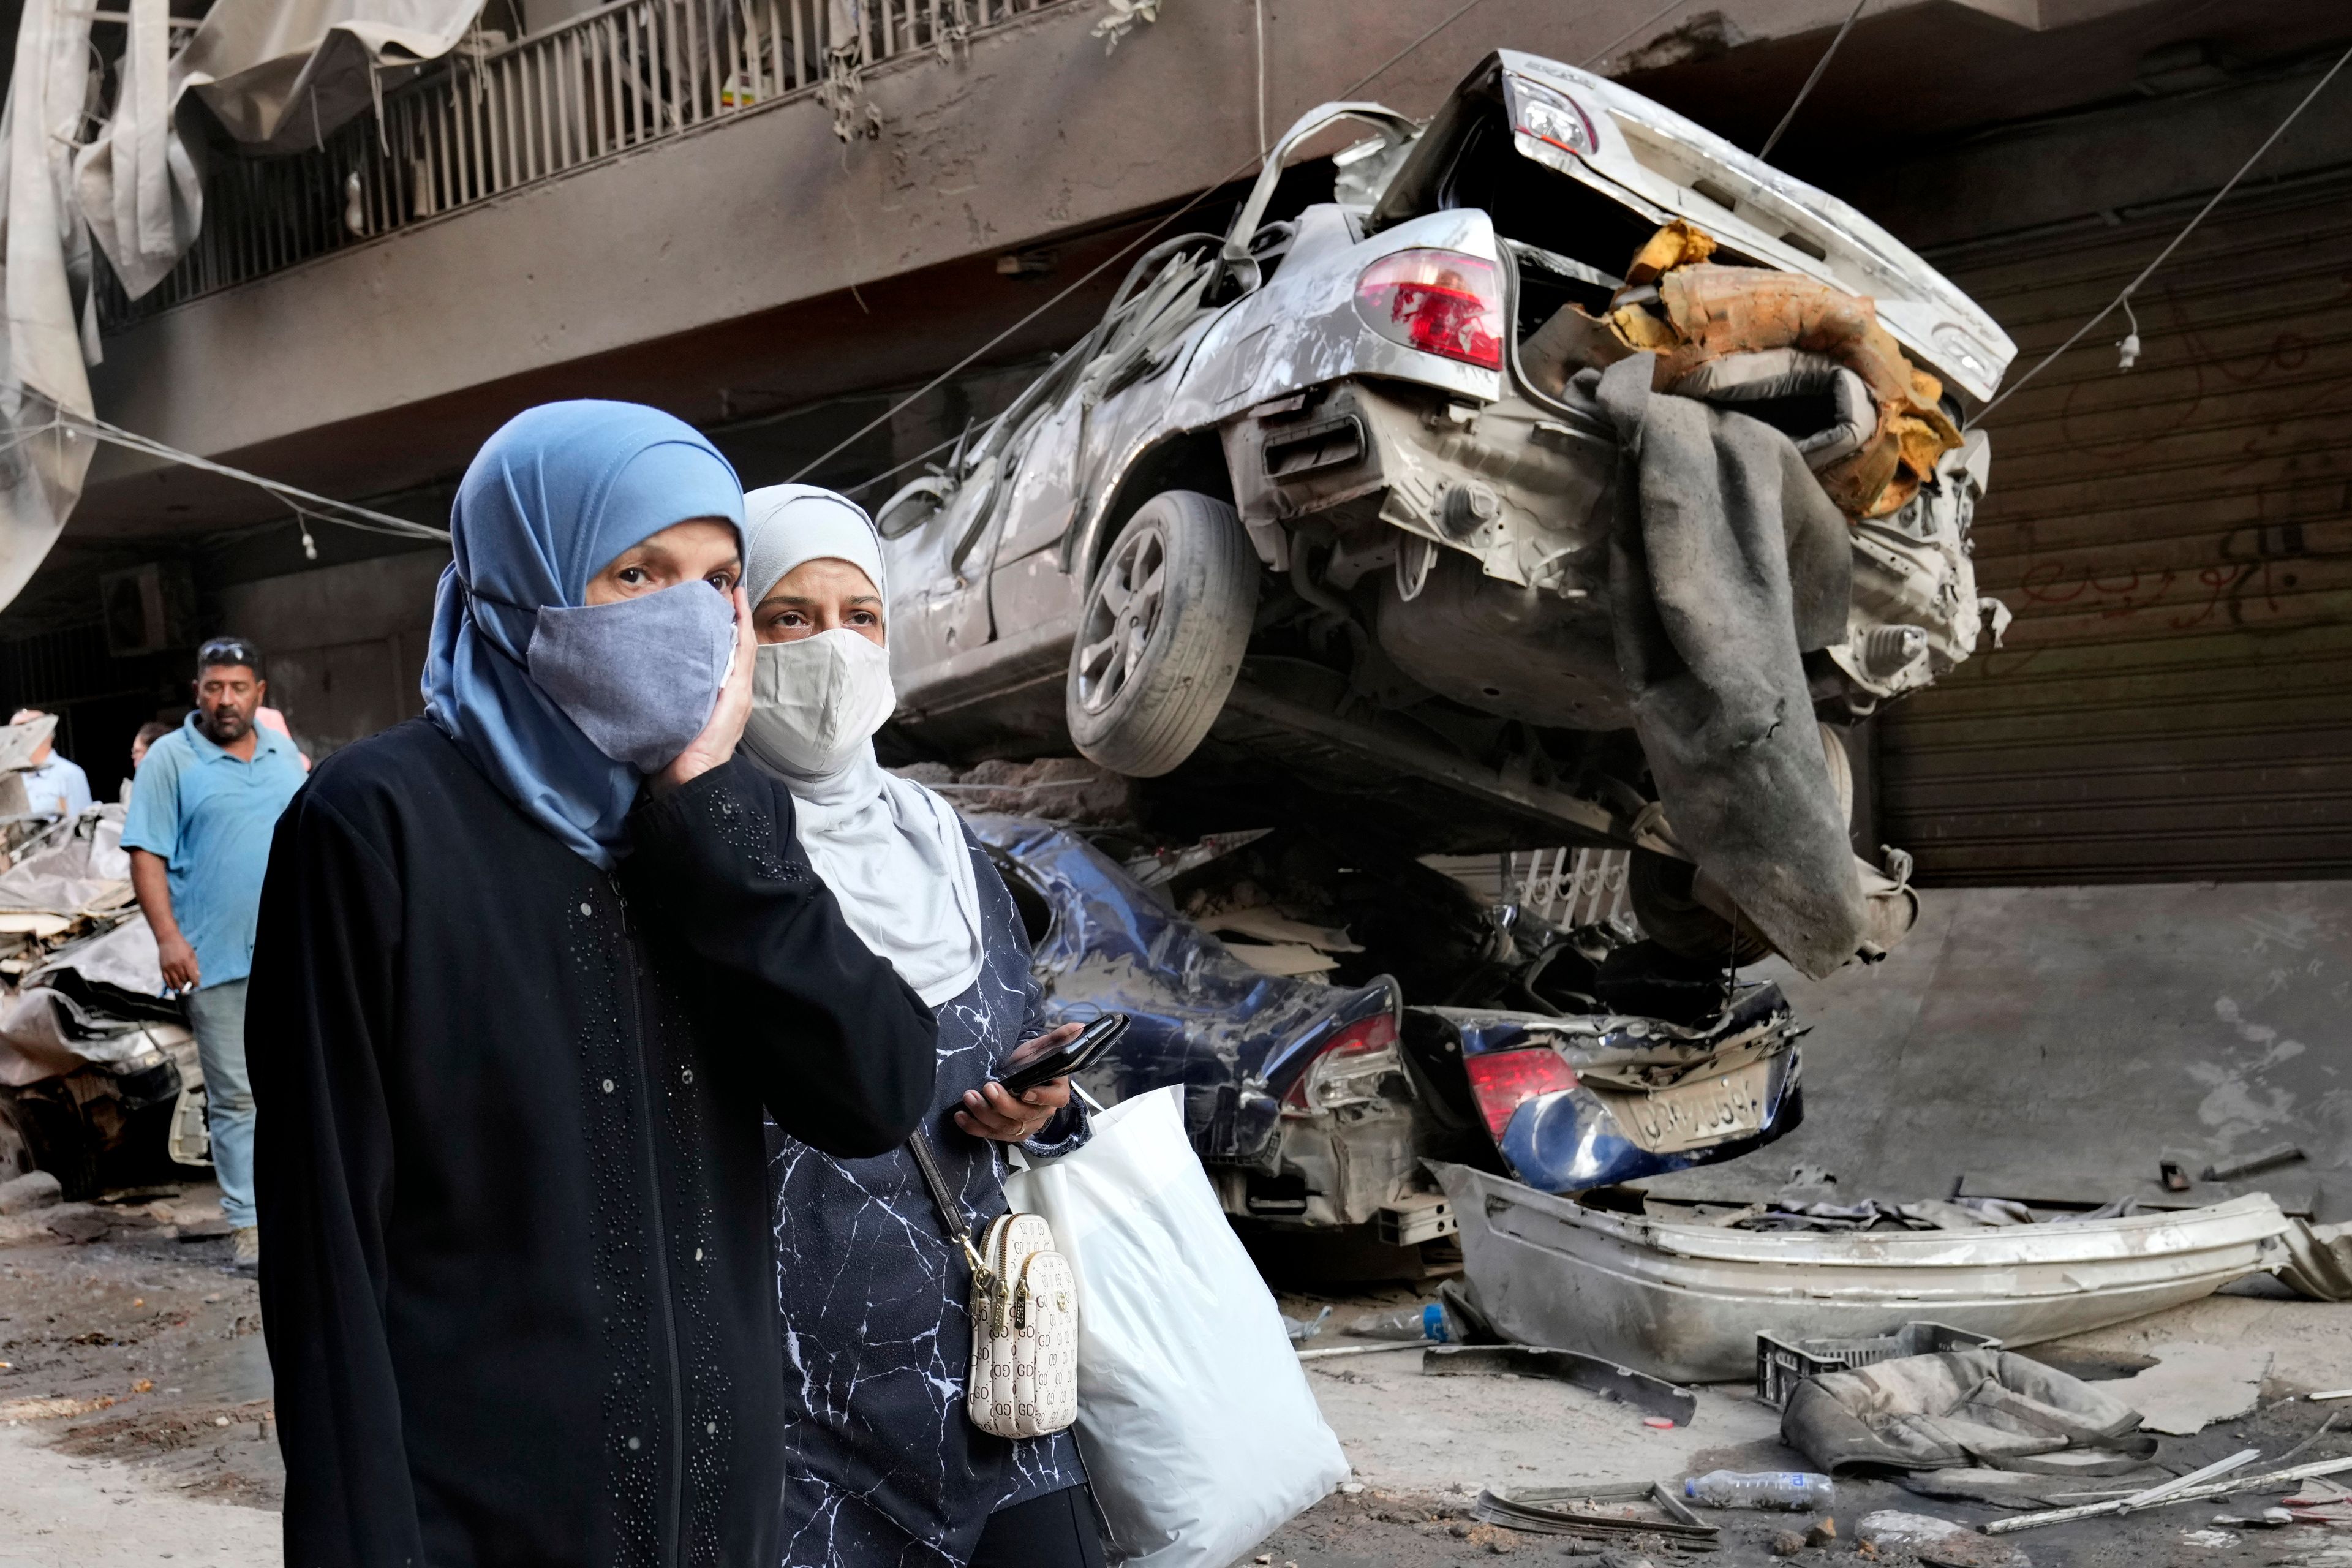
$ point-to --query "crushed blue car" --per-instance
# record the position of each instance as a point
(1579, 1102)
(1315, 1101)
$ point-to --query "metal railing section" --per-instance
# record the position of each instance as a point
(489, 119)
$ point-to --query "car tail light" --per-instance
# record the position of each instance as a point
(1502, 1081)
(1439, 302)
(1347, 1066)
(1552, 118)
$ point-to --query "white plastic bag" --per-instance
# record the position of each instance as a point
(1198, 1429)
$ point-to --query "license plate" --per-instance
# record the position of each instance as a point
(1693, 1115)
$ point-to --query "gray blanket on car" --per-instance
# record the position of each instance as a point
(1727, 565)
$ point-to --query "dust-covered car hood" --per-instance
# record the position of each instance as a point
(1664, 167)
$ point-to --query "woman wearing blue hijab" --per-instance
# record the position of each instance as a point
(530, 969)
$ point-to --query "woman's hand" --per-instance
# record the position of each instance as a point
(716, 745)
(990, 1112)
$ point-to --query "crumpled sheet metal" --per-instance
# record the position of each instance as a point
(78, 873)
(1686, 1301)
(122, 957)
(2316, 1260)
(19, 742)
(1711, 311)
(1235, 1037)
(45, 1034)
(1956, 1408)
(80, 876)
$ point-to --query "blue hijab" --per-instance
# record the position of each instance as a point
(546, 504)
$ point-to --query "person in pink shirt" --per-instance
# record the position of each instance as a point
(277, 721)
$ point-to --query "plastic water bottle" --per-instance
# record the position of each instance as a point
(1762, 1488)
(1429, 1322)
(1304, 1328)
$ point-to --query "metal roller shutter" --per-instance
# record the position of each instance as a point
(2175, 698)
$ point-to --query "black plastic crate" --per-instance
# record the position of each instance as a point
(1780, 1364)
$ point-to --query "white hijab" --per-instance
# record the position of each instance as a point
(893, 852)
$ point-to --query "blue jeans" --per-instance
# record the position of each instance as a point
(216, 1015)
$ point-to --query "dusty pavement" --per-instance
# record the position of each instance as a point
(184, 1469)
(1422, 1447)
(135, 1409)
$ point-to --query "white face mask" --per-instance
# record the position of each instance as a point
(816, 701)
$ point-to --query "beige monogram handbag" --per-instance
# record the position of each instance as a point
(1025, 1317)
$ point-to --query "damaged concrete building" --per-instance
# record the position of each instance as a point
(779, 220)
(1929, 1015)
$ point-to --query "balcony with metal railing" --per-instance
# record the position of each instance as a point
(490, 119)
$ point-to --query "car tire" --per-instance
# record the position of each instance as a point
(1161, 635)
(61, 1142)
(1660, 889)
(15, 1154)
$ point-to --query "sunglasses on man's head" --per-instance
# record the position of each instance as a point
(228, 651)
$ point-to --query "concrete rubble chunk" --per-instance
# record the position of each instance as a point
(2193, 1386)
(79, 1224)
(1939, 1542)
(34, 1190)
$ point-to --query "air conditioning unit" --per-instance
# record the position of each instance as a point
(148, 609)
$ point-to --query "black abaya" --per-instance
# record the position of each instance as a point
(517, 1280)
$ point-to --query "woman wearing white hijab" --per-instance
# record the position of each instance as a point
(886, 1466)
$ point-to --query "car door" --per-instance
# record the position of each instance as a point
(939, 603)
(1028, 590)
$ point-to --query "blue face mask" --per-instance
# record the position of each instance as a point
(640, 676)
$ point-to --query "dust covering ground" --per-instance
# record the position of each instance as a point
(134, 1408)
(136, 1425)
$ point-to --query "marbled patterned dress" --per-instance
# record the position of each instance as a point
(883, 1466)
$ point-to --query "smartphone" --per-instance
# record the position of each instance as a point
(1071, 1055)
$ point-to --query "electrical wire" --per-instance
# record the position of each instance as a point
(902, 467)
(1108, 261)
(1806, 91)
(1257, 22)
(307, 507)
(2123, 300)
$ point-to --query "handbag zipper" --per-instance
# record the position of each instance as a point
(1000, 1294)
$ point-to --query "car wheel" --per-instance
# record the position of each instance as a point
(16, 1156)
(1671, 915)
(1161, 636)
(61, 1142)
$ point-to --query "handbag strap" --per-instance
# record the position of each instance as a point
(950, 1210)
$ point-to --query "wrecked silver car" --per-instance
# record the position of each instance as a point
(1335, 497)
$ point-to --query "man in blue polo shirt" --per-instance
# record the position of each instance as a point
(54, 787)
(202, 806)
